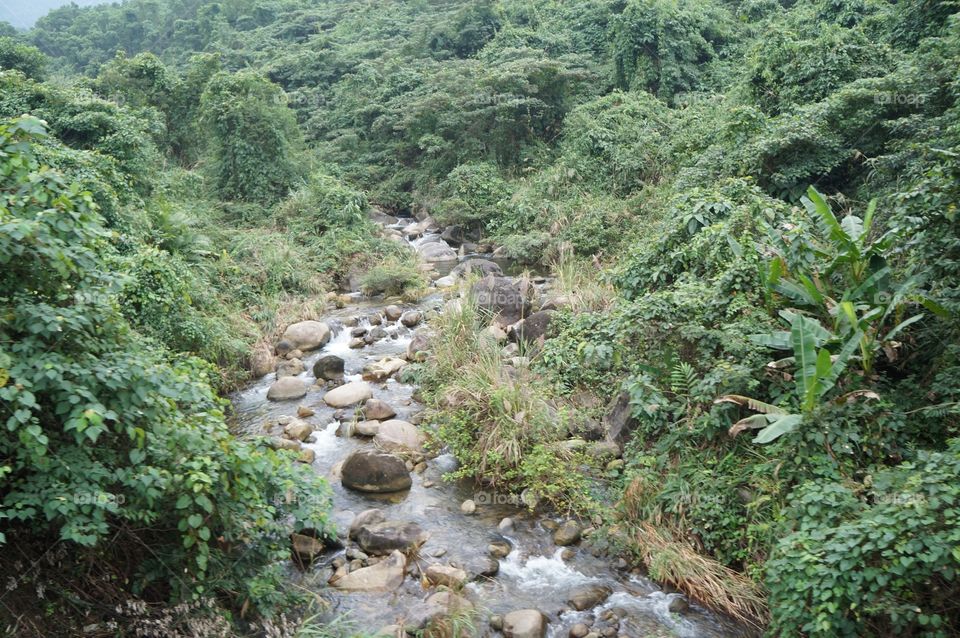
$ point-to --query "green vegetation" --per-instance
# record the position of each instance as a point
(750, 208)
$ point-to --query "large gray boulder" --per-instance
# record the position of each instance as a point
(588, 596)
(348, 394)
(307, 335)
(375, 472)
(506, 299)
(386, 575)
(398, 436)
(377, 410)
(619, 422)
(328, 368)
(477, 266)
(435, 251)
(382, 538)
(533, 329)
(286, 389)
(524, 623)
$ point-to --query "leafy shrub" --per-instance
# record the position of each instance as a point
(17, 56)
(876, 559)
(324, 205)
(395, 277)
(473, 196)
(108, 445)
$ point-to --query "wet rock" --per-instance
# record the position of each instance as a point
(356, 344)
(307, 456)
(329, 368)
(446, 576)
(348, 394)
(500, 548)
(378, 539)
(476, 266)
(678, 605)
(496, 622)
(377, 333)
(483, 568)
(294, 354)
(283, 347)
(588, 596)
(307, 335)
(305, 549)
(508, 300)
(278, 443)
(297, 429)
(411, 318)
(358, 332)
(262, 361)
(567, 534)
(524, 623)
(290, 368)
(365, 518)
(386, 575)
(392, 312)
(567, 554)
(433, 612)
(383, 369)
(579, 630)
(375, 472)
(505, 526)
(366, 428)
(436, 251)
(398, 436)
(304, 412)
(418, 347)
(377, 410)
(286, 389)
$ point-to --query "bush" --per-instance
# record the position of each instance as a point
(395, 277)
(109, 446)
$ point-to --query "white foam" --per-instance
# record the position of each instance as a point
(542, 572)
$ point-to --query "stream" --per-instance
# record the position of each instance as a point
(535, 575)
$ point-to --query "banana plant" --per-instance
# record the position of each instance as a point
(846, 280)
(817, 372)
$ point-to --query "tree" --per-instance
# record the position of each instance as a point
(253, 134)
(14, 55)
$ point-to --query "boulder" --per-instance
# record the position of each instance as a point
(604, 450)
(507, 300)
(383, 369)
(482, 267)
(468, 507)
(532, 329)
(436, 251)
(567, 534)
(262, 361)
(392, 312)
(678, 605)
(366, 428)
(283, 348)
(454, 235)
(305, 549)
(446, 576)
(398, 436)
(433, 612)
(378, 539)
(297, 429)
(286, 389)
(375, 472)
(377, 410)
(524, 623)
(348, 394)
(328, 368)
(411, 318)
(290, 368)
(387, 575)
(304, 412)
(307, 335)
(618, 421)
(364, 518)
(307, 456)
(278, 443)
(588, 596)
(418, 347)
(500, 548)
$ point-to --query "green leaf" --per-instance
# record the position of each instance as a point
(784, 425)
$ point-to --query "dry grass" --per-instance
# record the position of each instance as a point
(579, 281)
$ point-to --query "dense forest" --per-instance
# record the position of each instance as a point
(743, 375)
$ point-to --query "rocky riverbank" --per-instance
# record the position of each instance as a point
(417, 552)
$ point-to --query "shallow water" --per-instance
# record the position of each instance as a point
(533, 576)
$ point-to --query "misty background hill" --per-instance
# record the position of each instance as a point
(24, 13)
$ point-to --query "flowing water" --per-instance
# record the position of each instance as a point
(534, 575)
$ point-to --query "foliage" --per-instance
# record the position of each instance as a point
(16, 56)
(108, 443)
(254, 136)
